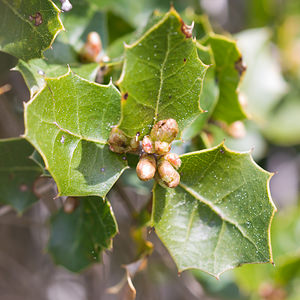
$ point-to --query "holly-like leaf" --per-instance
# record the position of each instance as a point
(219, 216)
(209, 99)
(17, 173)
(161, 78)
(28, 27)
(69, 122)
(36, 70)
(222, 52)
(78, 238)
(229, 70)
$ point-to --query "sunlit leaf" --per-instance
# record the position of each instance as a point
(229, 69)
(36, 70)
(69, 122)
(162, 77)
(28, 27)
(219, 216)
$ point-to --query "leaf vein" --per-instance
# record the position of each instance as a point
(161, 77)
(219, 213)
(23, 19)
(218, 243)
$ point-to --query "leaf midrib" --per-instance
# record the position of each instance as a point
(217, 211)
(161, 77)
(102, 142)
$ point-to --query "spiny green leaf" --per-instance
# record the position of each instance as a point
(69, 122)
(36, 70)
(286, 246)
(162, 78)
(219, 216)
(78, 238)
(17, 173)
(28, 27)
(227, 60)
(229, 69)
(209, 99)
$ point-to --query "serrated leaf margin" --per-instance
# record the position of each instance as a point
(270, 174)
(26, 104)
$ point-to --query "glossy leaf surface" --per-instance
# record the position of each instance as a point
(69, 122)
(209, 99)
(36, 70)
(229, 69)
(162, 78)
(219, 216)
(28, 27)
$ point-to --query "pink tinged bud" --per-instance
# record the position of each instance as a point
(173, 159)
(147, 144)
(168, 174)
(146, 167)
(165, 131)
(162, 148)
(118, 142)
(236, 130)
(70, 205)
(92, 48)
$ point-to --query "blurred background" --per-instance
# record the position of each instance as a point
(268, 35)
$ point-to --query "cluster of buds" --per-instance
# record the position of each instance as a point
(166, 167)
(120, 143)
(156, 159)
(162, 135)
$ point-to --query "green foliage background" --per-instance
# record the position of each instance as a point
(270, 84)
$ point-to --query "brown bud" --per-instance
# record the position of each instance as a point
(187, 30)
(173, 159)
(236, 130)
(118, 141)
(146, 167)
(91, 50)
(168, 174)
(70, 205)
(165, 131)
(162, 148)
(134, 144)
(5, 88)
(147, 144)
